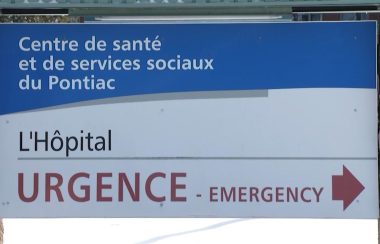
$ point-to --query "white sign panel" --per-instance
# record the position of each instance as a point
(237, 120)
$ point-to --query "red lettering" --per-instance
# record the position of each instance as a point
(100, 187)
(21, 193)
(148, 187)
(267, 194)
(228, 195)
(279, 194)
(213, 193)
(267, 197)
(85, 188)
(49, 187)
(242, 194)
(303, 194)
(291, 194)
(174, 187)
(77, 187)
(123, 180)
(317, 193)
(253, 191)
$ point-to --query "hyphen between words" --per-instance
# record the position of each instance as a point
(105, 62)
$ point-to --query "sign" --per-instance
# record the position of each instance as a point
(149, 7)
(189, 120)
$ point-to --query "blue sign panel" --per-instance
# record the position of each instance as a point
(49, 65)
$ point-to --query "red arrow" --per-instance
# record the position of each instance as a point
(346, 187)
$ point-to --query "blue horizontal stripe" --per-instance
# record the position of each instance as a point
(243, 57)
